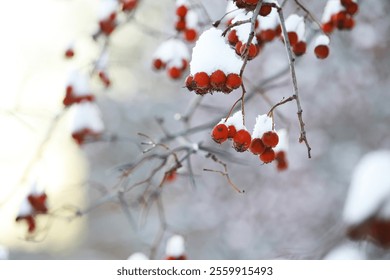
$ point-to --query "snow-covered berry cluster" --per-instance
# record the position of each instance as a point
(250, 5)
(295, 26)
(33, 205)
(338, 14)
(264, 141)
(173, 56)
(321, 46)
(187, 20)
(214, 65)
(269, 28)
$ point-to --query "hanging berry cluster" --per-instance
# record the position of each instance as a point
(33, 205)
(264, 141)
(339, 14)
(187, 21)
(295, 26)
(250, 5)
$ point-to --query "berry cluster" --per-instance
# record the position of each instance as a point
(250, 5)
(263, 142)
(214, 65)
(295, 26)
(172, 55)
(269, 28)
(34, 204)
(107, 18)
(187, 21)
(339, 14)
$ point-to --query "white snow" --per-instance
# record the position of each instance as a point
(101, 63)
(295, 23)
(36, 189)
(263, 124)
(283, 141)
(106, 8)
(175, 246)
(211, 53)
(369, 192)
(243, 30)
(25, 208)
(4, 253)
(235, 120)
(171, 49)
(322, 40)
(349, 251)
(182, 3)
(138, 256)
(232, 11)
(80, 83)
(192, 20)
(269, 22)
(301, 31)
(86, 115)
(332, 7)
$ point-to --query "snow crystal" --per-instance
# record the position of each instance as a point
(235, 120)
(349, 251)
(332, 7)
(269, 22)
(171, 49)
(4, 253)
(86, 115)
(175, 246)
(106, 8)
(283, 141)
(211, 53)
(263, 124)
(80, 83)
(192, 20)
(369, 191)
(322, 40)
(138, 256)
(243, 30)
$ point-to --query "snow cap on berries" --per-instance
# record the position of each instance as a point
(79, 82)
(322, 40)
(138, 256)
(192, 20)
(211, 53)
(182, 3)
(106, 8)
(232, 11)
(263, 124)
(283, 141)
(25, 208)
(243, 30)
(86, 115)
(234, 120)
(295, 23)
(269, 22)
(332, 7)
(171, 49)
(175, 246)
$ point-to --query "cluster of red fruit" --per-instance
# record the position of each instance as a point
(72, 96)
(253, 50)
(186, 21)
(250, 5)
(339, 14)
(202, 83)
(35, 204)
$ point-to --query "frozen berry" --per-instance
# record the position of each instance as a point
(321, 51)
(257, 147)
(158, 64)
(352, 8)
(252, 51)
(270, 139)
(69, 53)
(217, 80)
(299, 48)
(180, 25)
(220, 133)
(190, 83)
(265, 10)
(174, 73)
(328, 27)
(202, 80)
(190, 35)
(293, 38)
(267, 35)
(129, 5)
(181, 11)
(268, 155)
(281, 161)
(231, 131)
(242, 140)
(233, 81)
(232, 37)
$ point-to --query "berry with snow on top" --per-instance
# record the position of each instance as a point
(220, 133)
(128, 5)
(242, 140)
(77, 89)
(268, 27)
(321, 46)
(175, 248)
(268, 155)
(339, 14)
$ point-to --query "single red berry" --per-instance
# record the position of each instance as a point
(352, 8)
(265, 10)
(202, 80)
(257, 146)
(180, 25)
(190, 35)
(281, 160)
(190, 83)
(129, 5)
(270, 139)
(174, 73)
(220, 133)
(217, 80)
(233, 38)
(321, 51)
(170, 176)
(292, 37)
(233, 81)
(268, 155)
(158, 64)
(69, 53)
(349, 23)
(267, 35)
(184, 64)
(328, 27)
(237, 48)
(252, 51)
(38, 202)
(299, 48)
(242, 140)
(231, 131)
(181, 11)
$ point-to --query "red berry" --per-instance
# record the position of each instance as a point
(158, 64)
(202, 80)
(129, 5)
(190, 35)
(217, 80)
(280, 158)
(220, 133)
(251, 2)
(349, 23)
(270, 139)
(190, 83)
(265, 10)
(268, 155)
(352, 8)
(104, 78)
(174, 73)
(345, 3)
(184, 63)
(231, 131)
(252, 51)
(38, 202)
(181, 11)
(237, 48)
(170, 176)
(242, 140)
(233, 81)
(233, 38)
(328, 27)
(257, 146)
(292, 37)
(299, 48)
(180, 25)
(321, 51)
(267, 35)
(69, 53)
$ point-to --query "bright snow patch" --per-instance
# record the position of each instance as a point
(269, 22)
(349, 251)
(4, 253)
(25, 208)
(332, 7)
(283, 141)
(369, 192)
(243, 30)
(322, 40)
(138, 256)
(175, 246)
(182, 3)
(192, 20)
(106, 8)
(79, 82)
(295, 23)
(212, 53)
(232, 11)
(86, 115)
(172, 49)
(236, 120)
(263, 124)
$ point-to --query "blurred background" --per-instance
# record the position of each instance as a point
(294, 214)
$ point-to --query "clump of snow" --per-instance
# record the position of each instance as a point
(269, 22)
(295, 23)
(86, 115)
(212, 53)
(322, 40)
(332, 7)
(232, 11)
(369, 192)
(243, 30)
(348, 251)
(182, 3)
(25, 208)
(283, 141)
(172, 49)
(192, 20)
(175, 246)
(79, 82)
(106, 8)
(235, 120)
(36, 189)
(102, 61)
(4, 253)
(138, 256)
(263, 124)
